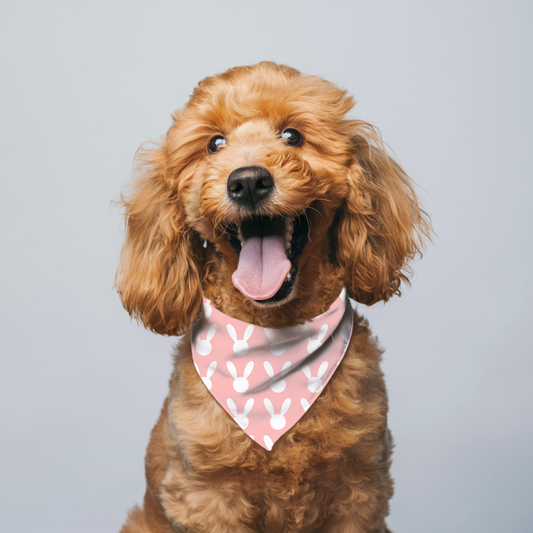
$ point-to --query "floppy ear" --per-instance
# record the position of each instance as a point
(380, 226)
(158, 277)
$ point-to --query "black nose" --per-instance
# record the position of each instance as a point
(247, 186)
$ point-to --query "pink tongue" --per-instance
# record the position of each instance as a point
(263, 267)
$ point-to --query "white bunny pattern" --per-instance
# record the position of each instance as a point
(277, 421)
(276, 347)
(312, 343)
(240, 384)
(210, 371)
(277, 383)
(240, 346)
(203, 347)
(295, 363)
(242, 419)
(315, 384)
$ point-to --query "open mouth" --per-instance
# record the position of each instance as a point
(268, 250)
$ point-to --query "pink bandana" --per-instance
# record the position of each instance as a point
(266, 379)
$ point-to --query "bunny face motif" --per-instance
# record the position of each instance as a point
(277, 421)
(203, 347)
(207, 308)
(314, 344)
(315, 384)
(210, 371)
(277, 383)
(240, 346)
(241, 419)
(276, 347)
(240, 384)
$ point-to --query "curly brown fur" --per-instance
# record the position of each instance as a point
(329, 472)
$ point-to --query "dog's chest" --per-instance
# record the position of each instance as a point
(274, 490)
(315, 467)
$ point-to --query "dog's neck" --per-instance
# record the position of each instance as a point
(301, 307)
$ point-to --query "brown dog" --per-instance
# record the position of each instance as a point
(300, 160)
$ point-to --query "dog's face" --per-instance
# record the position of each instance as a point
(264, 196)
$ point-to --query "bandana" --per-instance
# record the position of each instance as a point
(266, 379)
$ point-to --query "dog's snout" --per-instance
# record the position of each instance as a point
(248, 186)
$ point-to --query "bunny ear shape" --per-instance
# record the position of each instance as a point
(211, 369)
(248, 369)
(286, 366)
(268, 442)
(211, 332)
(322, 332)
(248, 406)
(305, 404)
(232, 369)
(232, 406)
(268, 368)
(248, 332)
(269, 406)
(285, 406)
(343, 294)
(322, 369)
(232, 332)
(269, 334)
(197, 369)
(305, 331)
(307, 371)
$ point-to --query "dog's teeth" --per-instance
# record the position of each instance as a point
(288, 278)
(289, 226)
(289, 229)
(288, 238)
(239, 235)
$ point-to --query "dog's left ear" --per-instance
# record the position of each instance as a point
(381, 226)
(159, 275)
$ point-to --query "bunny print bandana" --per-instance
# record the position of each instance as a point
(266, 379)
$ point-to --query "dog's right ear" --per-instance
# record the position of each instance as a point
(382, 226)
(159, 276)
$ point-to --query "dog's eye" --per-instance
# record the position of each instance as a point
(215, 143)
(292, 137)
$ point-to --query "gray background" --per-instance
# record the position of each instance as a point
(85, 83)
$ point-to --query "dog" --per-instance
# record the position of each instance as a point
(264, 148)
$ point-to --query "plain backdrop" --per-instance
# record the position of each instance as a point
(450, 85)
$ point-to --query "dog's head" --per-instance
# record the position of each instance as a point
(264, 196)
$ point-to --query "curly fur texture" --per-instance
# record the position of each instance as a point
(330, 472)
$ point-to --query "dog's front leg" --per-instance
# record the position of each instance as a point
(365, 518)
(349, 526)
(209, 512)
(201, 504)
(368, 512)
(213, 528)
